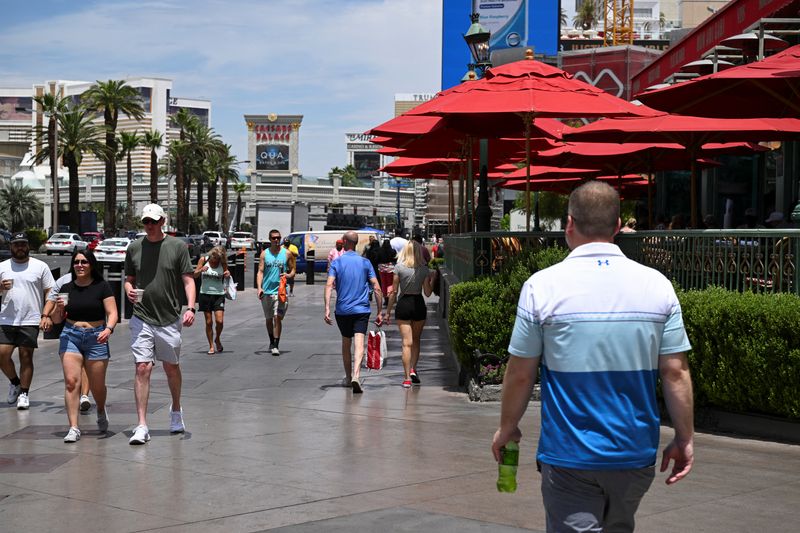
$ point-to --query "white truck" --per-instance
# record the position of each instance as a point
(285, 218)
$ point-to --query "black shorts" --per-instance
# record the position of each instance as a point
(349, 325)
(211, 302)
(411, 307)
(27, 336)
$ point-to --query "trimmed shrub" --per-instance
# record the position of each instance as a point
(745, 350)
(36, 237)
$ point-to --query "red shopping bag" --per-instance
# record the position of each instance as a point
(376, 349)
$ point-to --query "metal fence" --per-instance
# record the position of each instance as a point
(741, 260)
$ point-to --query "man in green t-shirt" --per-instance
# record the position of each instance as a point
(158, 280)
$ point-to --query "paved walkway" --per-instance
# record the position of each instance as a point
(274, 443)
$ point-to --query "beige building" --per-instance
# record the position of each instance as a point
(693, 12)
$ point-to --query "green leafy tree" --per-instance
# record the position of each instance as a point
(111, 98)
(588, 15)
(221, 169)
(552, 207)
(128, 142)
(239, 188)
(563, 20)
(53, 106)
(348, 175)
(228, 174)
(153, 139)
(20, 208)
(184, 121)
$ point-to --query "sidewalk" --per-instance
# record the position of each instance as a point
(275, 443)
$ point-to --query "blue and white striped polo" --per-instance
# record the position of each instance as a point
(599, 321)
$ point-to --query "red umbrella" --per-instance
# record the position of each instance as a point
(690, 132)
(767, 88)
(512, 96)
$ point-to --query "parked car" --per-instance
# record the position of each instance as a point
(194, 251)
(64, 243)
(93, 238)
(202, 242)
(242, 239)
(217, 238)
(112, 250)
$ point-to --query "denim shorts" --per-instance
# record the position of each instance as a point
(84, 341)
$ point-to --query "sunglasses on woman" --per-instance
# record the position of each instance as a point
(80, 262)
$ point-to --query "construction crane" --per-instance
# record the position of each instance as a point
(617, 22)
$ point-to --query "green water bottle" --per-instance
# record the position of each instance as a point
(507, 467)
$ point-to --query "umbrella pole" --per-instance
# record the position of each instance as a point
(470, 191)
(693, 202)
(527, 173)
(450, 201)
(650, 199)
(461, 199)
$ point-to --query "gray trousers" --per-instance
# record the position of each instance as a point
(593, 500)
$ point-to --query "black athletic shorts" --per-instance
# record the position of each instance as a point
(411, 307)
(349, 325)
(26, 336)
(211, 302)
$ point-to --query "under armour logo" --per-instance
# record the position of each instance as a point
(600, 262)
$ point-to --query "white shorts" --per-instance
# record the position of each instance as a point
(273, 307)
(149, 342)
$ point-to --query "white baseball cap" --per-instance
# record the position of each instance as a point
(153, 211)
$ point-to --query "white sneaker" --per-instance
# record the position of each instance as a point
(102, 420)
(275, 350)
(176, 421)
(85, 403)
(13, 393)
(140, 435)
(23, 402)
(73, 435)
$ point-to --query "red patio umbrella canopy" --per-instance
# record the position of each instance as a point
(767, 88)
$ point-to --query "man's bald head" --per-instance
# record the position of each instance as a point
(594, 208)
(350, 240)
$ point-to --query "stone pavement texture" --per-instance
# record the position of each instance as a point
(275, 443)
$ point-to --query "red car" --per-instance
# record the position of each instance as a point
(93, 238)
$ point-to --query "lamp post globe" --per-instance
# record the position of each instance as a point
(477, 38)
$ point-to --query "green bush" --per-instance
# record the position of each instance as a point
(482, 311)
(36, 237)
(745, 350)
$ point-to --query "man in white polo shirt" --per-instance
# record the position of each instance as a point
(604, 329)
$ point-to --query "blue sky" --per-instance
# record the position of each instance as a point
(337, 62)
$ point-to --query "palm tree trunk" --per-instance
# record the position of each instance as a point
(154, 177)
(224, 206)
(129, 210)
(74, 194)
(199, 198)
(110, 218)
(51, 141)
(212, 204)
(238, 210)
(181, 222)
(187, 193)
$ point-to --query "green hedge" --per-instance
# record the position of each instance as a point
(746, 346)
(745, 350)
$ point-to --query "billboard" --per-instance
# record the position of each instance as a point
(16, 108)
(272, 157)
(366, 164)
(513, 24)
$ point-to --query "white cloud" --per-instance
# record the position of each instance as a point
(339, 63)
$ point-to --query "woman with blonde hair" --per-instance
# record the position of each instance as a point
(213, 269)
(411, 278)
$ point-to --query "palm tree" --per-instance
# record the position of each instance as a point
(19, 207)
(128, 142)
(184, 121)
(53, 105)
(563, 20)
(153, 139)
(203, 142)
(79, 135)
(227, 173)
(239, 188)
(587, 15)
(112, 97)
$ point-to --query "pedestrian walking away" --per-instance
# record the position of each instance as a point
(353, 276)
(275, 265)
(411, 278)
(212, 269)
(88, 306)
(291, 248)
(47, 325)
(602, 348)
(26, 282)
(387, 258)
(159, 279)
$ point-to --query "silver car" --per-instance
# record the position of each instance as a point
(64, 243)
(112, 250)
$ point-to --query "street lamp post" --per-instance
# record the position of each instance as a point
(477, 38)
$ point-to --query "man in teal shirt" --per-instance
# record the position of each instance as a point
(274, 263)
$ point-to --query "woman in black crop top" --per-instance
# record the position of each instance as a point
(90, 312)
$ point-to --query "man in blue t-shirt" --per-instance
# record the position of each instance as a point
(275, 265)
(353, 275)
(604, 329)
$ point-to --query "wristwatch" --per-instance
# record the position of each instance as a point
(192, 309)
(45, 316)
